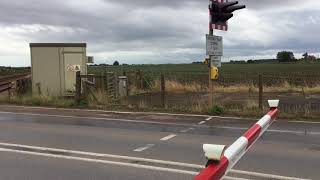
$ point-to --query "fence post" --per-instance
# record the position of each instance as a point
(141, 80)
(78, 88)
(116, 81)
(260, 91)
(163, 88)
(9, 94)
(105, 87)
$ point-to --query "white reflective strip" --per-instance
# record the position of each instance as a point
(236, 151)
(263, 122)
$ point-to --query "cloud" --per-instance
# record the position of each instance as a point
(150, 31)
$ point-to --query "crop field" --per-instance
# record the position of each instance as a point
(226, 68)
(298, 74)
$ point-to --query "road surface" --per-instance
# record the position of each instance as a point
(108, 145)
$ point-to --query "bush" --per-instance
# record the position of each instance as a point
(216, 110)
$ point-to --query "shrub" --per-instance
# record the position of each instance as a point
(216, 110)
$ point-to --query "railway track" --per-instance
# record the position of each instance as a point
(9, 82)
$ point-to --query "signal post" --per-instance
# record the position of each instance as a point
(220, 12)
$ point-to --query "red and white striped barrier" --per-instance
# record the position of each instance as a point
(216, 170)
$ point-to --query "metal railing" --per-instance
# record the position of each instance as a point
(8, 82)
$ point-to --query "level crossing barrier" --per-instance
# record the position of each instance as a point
(221, 159)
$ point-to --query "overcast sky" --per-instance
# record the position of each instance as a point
(156, 31)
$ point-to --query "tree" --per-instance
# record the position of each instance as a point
(250, 61)
(305, 55)
(116, 63)
(285, 56)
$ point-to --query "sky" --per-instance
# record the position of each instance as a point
(156, 31)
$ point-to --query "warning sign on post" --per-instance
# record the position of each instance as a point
(216, 61)
(73, 68)
(214, 45)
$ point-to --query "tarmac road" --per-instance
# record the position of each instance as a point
(288, 149)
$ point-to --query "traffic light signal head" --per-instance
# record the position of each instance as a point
(221, 12)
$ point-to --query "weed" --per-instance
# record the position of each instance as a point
(142, 104)
(36, 100)
(199, 107)
(175, 86)
(216, 110)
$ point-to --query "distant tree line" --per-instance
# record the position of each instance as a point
(282, 57)
(288, 56)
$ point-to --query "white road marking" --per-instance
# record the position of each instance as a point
(186, 130)
(233, 178)
(101, 161)
(262, 175)
(168, 137)
(209, 118)
(143, 148)
(83, 153)
(313, 133)
(305, 122)
(122, 112)
(79, 153)
(202, 122)
(95, 118)
(152, 113)
(150, 122)
(290, 132)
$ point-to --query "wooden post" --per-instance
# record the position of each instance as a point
(102, 82)
(39, 88)
(105, 83)
(163, 88)
(260, 92)
(9, 94)
(116, 84)
(85, 90)
(78, 88)
(136, 79)
(141, 80)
